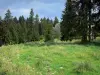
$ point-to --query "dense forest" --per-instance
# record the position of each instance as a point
(21, 30)
(80, 20)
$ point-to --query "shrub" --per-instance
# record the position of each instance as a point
(56, 31)
(82, 67)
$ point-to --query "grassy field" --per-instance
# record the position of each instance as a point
(50, 59)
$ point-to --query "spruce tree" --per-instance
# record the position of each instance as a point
(15, 20)
(8, 27)
(31, 27)
(0, 18)
(23, 31)
(8, 16)
(96, 17)
(36, 28)
(77, 20)
(0, 29)
(47, 28)
(68, 22)
(55, 21)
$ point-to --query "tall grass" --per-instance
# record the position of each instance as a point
(82, 67)
(41, 58)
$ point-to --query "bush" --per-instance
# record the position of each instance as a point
(56, 31)
(48, 36)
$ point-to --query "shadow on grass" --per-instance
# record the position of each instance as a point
(62, 43)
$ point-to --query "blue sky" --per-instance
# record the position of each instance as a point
(47, 8)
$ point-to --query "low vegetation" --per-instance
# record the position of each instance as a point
(60, 58)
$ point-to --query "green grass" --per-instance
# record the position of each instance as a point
(50, 59)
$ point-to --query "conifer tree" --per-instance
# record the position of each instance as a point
(68, 22)
(55, 21)
(36, 28)
(8, 27)
(8, 16)
(23, 31)
(15, 20)
(0, 29)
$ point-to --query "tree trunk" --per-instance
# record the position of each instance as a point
(1, 43)
(89, 35)
(84, 36)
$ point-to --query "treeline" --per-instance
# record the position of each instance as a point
(81, 19)
(13, 30)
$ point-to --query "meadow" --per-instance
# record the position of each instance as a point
(59, 58)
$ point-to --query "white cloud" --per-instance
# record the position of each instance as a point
(21, 11)
(39, 6)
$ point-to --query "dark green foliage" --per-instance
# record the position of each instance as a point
(0, 28)
(36, 27)
(12, 34)
(8, 16)
(40, 29)
(68, 22)
(47, 29)
(48, 33)
(2, 31)
(31, 29)
(8, 27)
(0, 18)
(77, 20)
(55, 21)
(13, 30)
(21, 19)
(16, 32)
(33, 23)
(15, 20)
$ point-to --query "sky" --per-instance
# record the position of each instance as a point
(47, 8)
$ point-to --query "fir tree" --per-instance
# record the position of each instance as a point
(68, 22)
(55, 21)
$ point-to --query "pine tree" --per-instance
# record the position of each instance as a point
(21, 19)
(23, 31)
(77, 20)
(2, 31)
(43, 23)
(83, 20)
(47, 28)
(37, 19)
(0, 28)
(32, 36)
(36, 28)
(15, 20)
(55, 21)
(86, 20)
(96, 17)
(8, 16)
(0, 18)
(68, 22)
(31, 17)
(8, 27)
(14, 34)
